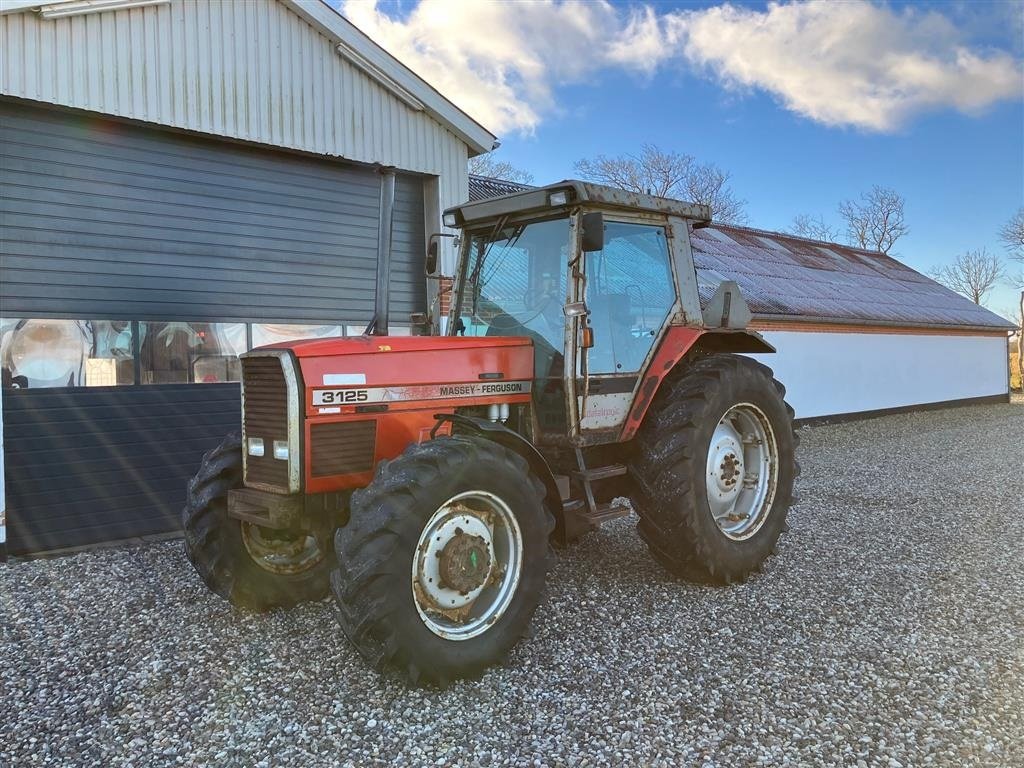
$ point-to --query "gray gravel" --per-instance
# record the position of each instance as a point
(889, 631)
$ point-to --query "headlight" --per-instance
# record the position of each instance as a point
(450, 220)
(255, 446)
(281, 450)
(558, 198)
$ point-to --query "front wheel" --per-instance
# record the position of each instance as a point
(444, 559)
(714, 469)
(252, 567)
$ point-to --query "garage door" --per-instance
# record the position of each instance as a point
(107, 219)
(137, 264)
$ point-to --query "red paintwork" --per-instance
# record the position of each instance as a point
(395, 433)
(388, 361)
(677, 342)
(355, 345)
(397, 361)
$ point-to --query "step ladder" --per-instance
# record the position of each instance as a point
(588, 508)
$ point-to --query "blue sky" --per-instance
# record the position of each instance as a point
(804, 105)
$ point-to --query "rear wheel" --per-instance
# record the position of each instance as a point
(444, 559)
(714, 468)
(253, 567)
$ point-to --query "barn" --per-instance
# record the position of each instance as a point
(857, 332)
(182, 180)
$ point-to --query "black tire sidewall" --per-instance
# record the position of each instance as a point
(495, 470)
(758, 390)
(226, 565)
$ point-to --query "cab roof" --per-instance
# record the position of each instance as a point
(548, 199)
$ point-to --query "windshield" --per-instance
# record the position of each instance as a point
(515, 281)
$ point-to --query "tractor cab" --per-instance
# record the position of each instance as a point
(597, 278)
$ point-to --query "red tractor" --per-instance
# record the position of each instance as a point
(422, 479)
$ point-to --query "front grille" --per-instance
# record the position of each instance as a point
(342, 447)
(265, 415)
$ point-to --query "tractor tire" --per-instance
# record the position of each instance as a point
(405, 553)
(220, 547)
(720, 406)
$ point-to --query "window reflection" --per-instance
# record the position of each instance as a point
(37, 354)
(191, 353)
(274, 333)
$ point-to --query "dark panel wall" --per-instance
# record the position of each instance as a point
(104, 463)
(107, 220)
(116, 221)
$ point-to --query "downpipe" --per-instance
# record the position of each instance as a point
(379, 324)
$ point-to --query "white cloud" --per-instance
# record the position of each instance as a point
(849, 63)
(501, 61)
(838, 63)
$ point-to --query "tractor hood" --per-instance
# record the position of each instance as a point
(351, 375)
(363, 345)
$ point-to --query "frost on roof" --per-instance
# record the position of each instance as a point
(485, 187)
(790, 278)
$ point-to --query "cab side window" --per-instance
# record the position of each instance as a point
(629, 293)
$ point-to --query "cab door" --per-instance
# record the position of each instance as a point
(629, 290)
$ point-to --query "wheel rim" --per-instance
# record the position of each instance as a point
(467, 565)
(742, 471)
(281, 554)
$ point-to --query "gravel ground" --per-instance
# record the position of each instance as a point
(888, 631)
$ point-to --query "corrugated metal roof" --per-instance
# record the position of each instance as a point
(485, 187)
(793, 279)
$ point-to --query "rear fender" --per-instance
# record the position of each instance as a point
(682, 343)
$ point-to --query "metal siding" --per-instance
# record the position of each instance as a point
(102, 219)
(122, 455)
(250, 70)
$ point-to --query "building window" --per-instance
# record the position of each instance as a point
(274, 333)
(40, 353)
(36, 354)
(191, 353)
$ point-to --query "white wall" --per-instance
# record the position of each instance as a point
(833, 373)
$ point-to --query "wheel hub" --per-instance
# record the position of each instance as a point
(280, 552)
(727, 465)
(465, 563)
(742, 470)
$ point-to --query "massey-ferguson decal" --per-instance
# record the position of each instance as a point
(354, 396)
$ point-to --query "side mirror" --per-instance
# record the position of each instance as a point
(593, 232)
(430, 262)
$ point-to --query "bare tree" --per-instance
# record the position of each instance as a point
(668, 174)
(876, 220)
(813, 228)
(973, 274)
(1012, 235)
(486, 165)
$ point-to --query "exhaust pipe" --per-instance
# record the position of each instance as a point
(379, 324)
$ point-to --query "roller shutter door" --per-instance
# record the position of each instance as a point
(108, 220)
